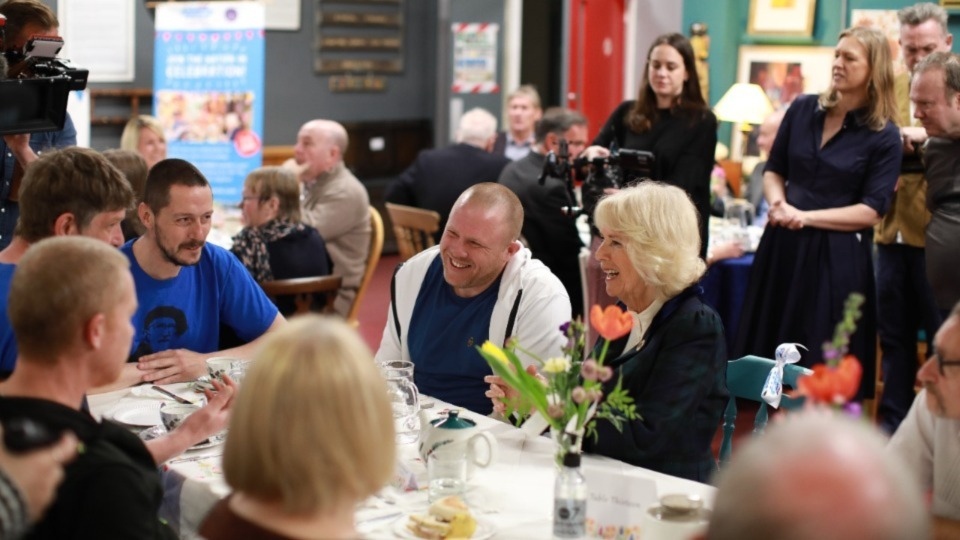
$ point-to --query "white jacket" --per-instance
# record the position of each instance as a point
(544, 306)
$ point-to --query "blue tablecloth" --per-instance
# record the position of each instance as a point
(724, 288)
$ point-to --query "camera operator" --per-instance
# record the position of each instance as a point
(545, 192)
(25, 19)
(670, 119)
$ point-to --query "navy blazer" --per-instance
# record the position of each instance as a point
(678, 381)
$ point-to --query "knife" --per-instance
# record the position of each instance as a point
(170, 394)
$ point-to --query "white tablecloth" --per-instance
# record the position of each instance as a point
(514, 494)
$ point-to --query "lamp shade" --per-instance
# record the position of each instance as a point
(743, 104)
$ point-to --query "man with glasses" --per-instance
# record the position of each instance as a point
(904, 295)
(928, 439)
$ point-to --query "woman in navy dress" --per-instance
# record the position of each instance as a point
(829, 180)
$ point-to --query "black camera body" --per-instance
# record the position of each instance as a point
(35, 87)
(24, 434)
(557, 165)
(622, 168)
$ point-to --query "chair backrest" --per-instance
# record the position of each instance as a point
(304, 291)
(413, 227)
(745, 378)
(376, 248)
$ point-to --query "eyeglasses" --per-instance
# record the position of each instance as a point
(941, 363)
(250, 198)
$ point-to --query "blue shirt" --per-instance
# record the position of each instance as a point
(186, 312)
(8, 345)
(445, 330)
(39, 142)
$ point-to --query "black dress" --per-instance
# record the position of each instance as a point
(800, 279)
(683, 144)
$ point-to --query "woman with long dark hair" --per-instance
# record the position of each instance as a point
(670, 119)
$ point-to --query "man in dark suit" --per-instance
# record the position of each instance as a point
(439, 176)
(523, 113)
(551, 235)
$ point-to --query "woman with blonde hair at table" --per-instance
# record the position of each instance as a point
(311, 435)
(673, 362)
(144, 135)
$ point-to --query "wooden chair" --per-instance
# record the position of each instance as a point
(413, 227)
(745, 378)
(304, 291)
(376, 248)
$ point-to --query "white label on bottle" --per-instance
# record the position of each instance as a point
(569, 518)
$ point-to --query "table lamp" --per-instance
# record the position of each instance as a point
(744, 104)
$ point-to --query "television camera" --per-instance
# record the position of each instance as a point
(35, 84)
(621, 168)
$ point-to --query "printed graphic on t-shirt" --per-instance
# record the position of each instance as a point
(161, 328)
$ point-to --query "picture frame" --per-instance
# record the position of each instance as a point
(784, 73)
(781, 18)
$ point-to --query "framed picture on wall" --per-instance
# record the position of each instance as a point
(781, 18)
(784, 73)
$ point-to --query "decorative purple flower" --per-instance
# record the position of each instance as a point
(605, 374)
(578, 395)
(564, 327)
(589, 370)
(853, 409)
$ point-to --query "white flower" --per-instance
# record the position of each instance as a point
(557, 365)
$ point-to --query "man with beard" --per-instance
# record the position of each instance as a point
(927, 438)
(479, 284)
(174, 268)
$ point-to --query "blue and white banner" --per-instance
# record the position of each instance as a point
(208, 88)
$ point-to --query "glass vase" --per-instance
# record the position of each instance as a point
(564, 443)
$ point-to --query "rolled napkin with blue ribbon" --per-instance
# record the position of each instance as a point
(787, 353)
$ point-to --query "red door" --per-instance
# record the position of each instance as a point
(595, 60)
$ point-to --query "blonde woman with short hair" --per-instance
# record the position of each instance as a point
(673, 362)
(144, 135)
(275, 243)
(311, 435)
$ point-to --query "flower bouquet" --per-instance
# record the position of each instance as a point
(569, 393)
(835, 382)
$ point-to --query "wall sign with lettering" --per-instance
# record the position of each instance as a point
(359, 38)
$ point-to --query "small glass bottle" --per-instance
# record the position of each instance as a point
(570, 500)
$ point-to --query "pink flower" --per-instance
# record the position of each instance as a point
(578, 395)
(595, 394)
(589, 370)
(555, 410)
(605, 374)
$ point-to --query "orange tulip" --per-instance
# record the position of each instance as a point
(832, 385)
(612, 322)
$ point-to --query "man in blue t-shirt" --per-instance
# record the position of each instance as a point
(187, 289)
(479, 284)
(74, 191)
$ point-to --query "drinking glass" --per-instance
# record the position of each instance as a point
(446, 474)
(738, 213)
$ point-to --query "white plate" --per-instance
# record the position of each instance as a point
(485, 530)
(144, 414)
(159, 431)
